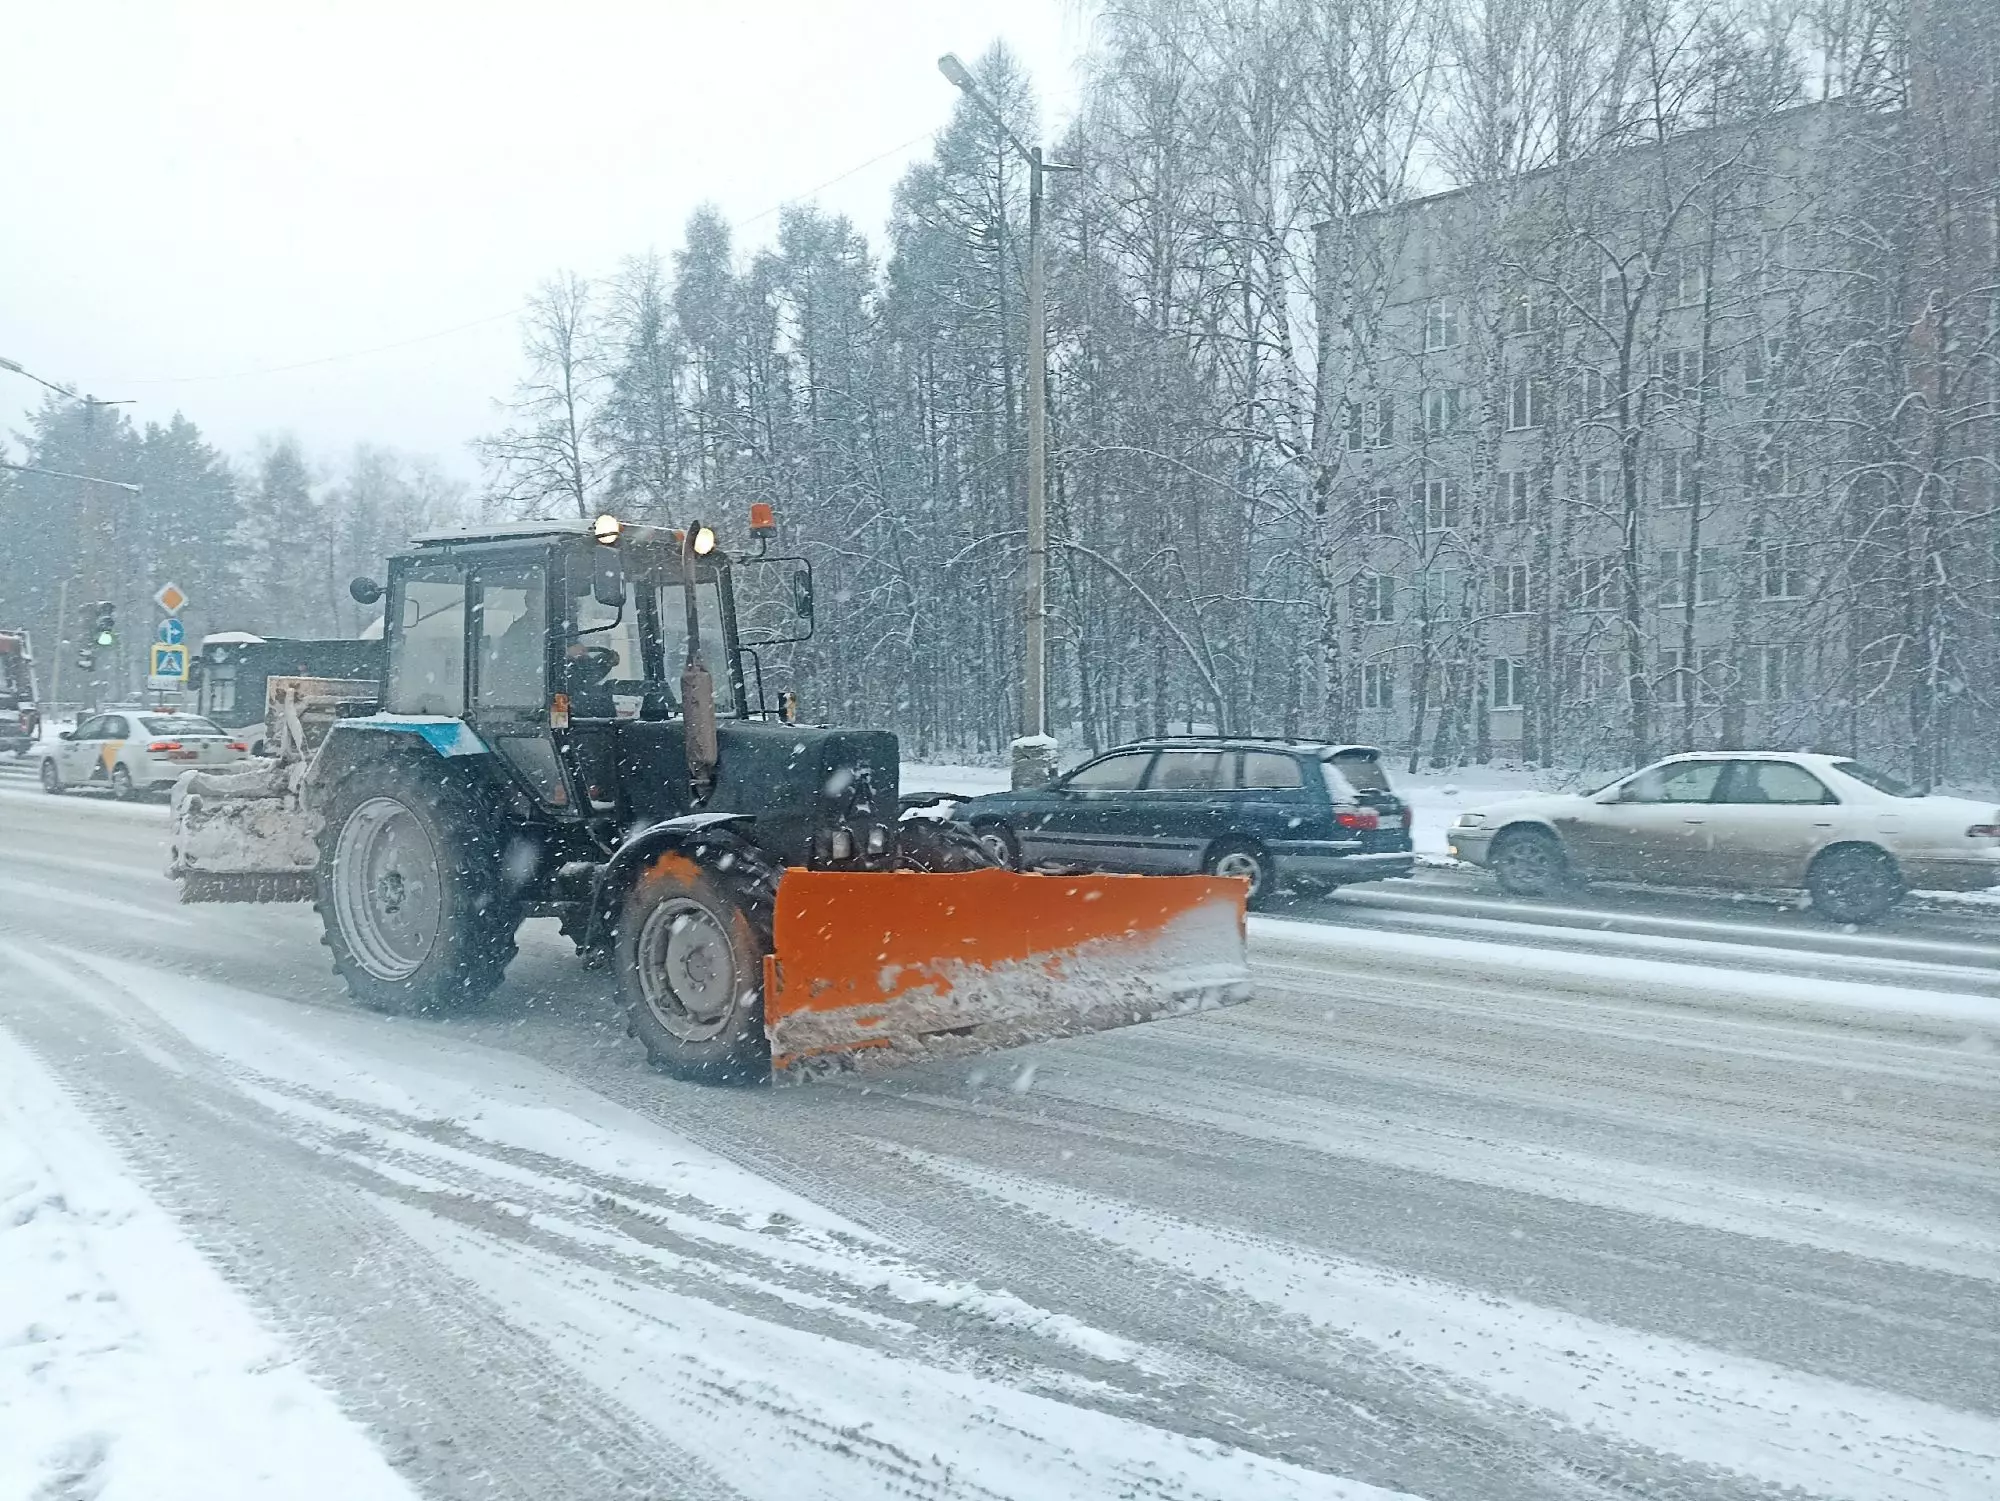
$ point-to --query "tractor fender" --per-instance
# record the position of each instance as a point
(710, 838)
(349, 742)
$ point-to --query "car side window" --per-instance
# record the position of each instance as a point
(88, 730)
(1115, 773)
(1683, 782)
(113, 727)
(1774, 782)
(1186, 771)
(1270, 769)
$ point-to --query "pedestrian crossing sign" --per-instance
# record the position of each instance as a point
(170, 666)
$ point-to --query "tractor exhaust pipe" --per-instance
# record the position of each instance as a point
(697, 687)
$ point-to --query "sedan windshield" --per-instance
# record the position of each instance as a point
(1881, 781)
(177, 724)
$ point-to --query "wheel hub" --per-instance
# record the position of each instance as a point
(388, 889)
(687, 970)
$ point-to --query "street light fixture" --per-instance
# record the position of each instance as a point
(1034, 690)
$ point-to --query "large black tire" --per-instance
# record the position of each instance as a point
(411, 889)
(1530, 862)
(693, 930)
(121, 784)
(1854, 883)
(938, 846)
(1247, 862)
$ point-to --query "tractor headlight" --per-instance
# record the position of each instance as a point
(704, 540)
(838, 844)
(878, 840)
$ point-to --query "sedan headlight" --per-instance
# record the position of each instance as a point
(1472, 820)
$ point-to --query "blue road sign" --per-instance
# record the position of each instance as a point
(172, 631)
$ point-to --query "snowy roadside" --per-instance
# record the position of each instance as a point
(129, 1370)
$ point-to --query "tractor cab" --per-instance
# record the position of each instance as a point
(570, 649)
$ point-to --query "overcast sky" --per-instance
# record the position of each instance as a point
(194, 192)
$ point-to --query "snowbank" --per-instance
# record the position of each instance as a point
(129, 1370)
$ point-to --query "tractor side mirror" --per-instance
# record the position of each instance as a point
(363, 590)
(607, 578)
(774, 600)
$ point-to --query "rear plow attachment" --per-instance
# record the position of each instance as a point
(874, 971)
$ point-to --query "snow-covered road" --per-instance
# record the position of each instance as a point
(1451, 1209)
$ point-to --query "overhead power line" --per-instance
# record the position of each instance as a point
(512, 312)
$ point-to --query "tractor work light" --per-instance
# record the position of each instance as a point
(606, 529)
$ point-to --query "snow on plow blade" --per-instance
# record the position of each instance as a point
(242, 836)
(872, 971)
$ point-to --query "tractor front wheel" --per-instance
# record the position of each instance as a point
(411, 889)
(690, 957)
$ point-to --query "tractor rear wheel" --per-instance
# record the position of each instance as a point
(411, 890)
(690, 953)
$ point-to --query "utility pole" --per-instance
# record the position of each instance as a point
(1034, 754)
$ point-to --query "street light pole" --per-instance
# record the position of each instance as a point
(1034, 682)
(1034, 757)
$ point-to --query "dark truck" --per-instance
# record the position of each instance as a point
(228, 676)
(20, 719)
(1266, 811)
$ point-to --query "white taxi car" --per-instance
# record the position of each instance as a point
(132, 751)
(1855, 838)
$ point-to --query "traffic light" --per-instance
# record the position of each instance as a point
(104, 632)
(86, 657)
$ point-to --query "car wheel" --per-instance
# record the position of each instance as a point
(1246, 862)
(121, 784)
(52, 782)
(1854, 883)
(1000, 843)
(1529, 862)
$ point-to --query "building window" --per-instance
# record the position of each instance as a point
(1371, 424)
(1378, 685)
(1510, 683)
(1611, 295)
(1597, 485)
(1776, 674)
(1678, 279)
(1441, 409)
(1527, 402)
(1440, 324)
(1777, 257)
(1782, 571)
(1593, 583)
(1513, 498)
(1705, 676)
(1591, 677)
(1378, 512)
(1708, 576)
(1378, 598)
(1444, 594)
(1527, 312)
(1678, 373)
(1510, 589)
(1680, 479)
(1597, 393)
(1437, 503)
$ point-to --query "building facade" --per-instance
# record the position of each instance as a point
(1626, 461)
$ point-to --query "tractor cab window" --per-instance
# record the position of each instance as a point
(428, 674)
(603, 657)
(513, 637)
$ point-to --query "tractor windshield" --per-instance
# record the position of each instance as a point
(714, 649)
(613, 669)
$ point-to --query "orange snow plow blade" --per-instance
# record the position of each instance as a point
(872, 971)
